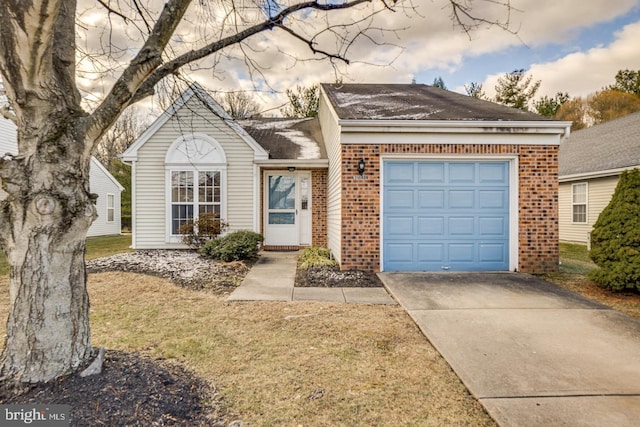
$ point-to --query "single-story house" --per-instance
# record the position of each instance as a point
(101, 183)
(389, 177)
(590, 164)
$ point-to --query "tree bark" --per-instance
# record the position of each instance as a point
(45, 221)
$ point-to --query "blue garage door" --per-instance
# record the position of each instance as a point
(445, 216)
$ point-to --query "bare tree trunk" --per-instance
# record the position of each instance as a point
(44, 224)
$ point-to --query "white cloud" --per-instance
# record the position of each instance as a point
(426, 40)
(582, 73)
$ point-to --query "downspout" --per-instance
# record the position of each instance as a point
(256, 198)
(133, 201)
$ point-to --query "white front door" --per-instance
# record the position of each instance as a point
(287, 208)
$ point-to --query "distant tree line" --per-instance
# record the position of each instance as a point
(517, 89)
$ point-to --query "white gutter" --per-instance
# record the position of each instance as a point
(455, 126)
(596, 174)
(298, 163)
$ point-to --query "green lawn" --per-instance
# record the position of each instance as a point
(575, 259)
(96, 247)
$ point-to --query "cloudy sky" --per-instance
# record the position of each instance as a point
(574, 46)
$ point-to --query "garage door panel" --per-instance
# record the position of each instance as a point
(445, 216)
(493, 173)
(431, 252)
(493, 226)
(431, 173)
(461, 199)
(461, 252)
(400, 199)
(399, 226)
(431, 226)
(492, 252)
(461, 226)
(462, 173)
(493, 199)
(400, 252)
(399, 173)
(430, 199)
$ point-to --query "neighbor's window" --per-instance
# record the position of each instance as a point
(111, 207)
(579, 202)
(193, 193)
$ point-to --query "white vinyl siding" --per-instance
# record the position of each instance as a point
(599, 194)
(150, 179)
(105, 186)
(101, 182)
(579, 194)
(331, 135)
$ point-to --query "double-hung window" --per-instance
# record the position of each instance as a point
(579, 203)
(193, 193)
(111, 207)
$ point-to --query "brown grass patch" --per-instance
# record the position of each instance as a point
(286, 364)
(626, 302)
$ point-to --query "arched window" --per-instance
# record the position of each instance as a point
(196, 168)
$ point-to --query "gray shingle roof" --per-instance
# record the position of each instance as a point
(416, 102)
(611, 145)
(287, 138)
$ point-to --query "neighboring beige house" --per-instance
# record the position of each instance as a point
(101, 183)
(389, 177)
(590, 163)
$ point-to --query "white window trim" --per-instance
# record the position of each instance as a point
(586, 202)
(112, 208)
(175, 162)
(175, 238)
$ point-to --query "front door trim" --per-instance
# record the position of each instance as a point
(294, 216)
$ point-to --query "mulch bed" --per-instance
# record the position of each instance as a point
(332, 277)
(132, 390)
(185, 268)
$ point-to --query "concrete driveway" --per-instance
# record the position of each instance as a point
(532, 353)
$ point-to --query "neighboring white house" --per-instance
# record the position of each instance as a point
(590, 163)
(101, 183)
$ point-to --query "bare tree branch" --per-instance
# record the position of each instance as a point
(311, 45)
(146, 70)
(115, 12)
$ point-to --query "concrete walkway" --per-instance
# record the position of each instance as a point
(272, 278)
(532, 353)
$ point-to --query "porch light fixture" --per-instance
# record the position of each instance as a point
(291, 168)
(361, 167)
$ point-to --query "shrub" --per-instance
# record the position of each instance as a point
(125, 222)
(315, 256)
(207, 227)
(615, 239)
(236, 246)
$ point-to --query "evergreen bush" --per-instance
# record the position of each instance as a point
(615, 239)
(237, 246)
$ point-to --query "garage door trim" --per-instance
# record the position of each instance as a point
(513, 194)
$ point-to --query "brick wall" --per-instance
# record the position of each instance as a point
(539, 233)
(538, 201)
(319, 207)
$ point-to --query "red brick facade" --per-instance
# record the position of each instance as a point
(319, 207)
(538, 200)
